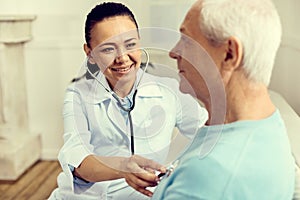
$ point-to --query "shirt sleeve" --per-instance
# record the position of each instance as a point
(76, 133)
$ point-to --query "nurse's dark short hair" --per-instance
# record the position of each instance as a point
(103, 11)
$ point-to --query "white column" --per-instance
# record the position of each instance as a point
(19, 148)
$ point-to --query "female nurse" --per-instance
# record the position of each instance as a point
(118, 120)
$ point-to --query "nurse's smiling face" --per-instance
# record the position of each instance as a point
(114, 46)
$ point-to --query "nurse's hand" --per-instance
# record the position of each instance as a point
(139, 173)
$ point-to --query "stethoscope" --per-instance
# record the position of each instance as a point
(115, 96)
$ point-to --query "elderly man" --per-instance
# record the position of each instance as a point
(225, 58)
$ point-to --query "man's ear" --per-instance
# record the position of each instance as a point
(233, 53)
(88, 52)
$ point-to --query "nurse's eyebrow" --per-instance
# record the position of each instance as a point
(130, 39)
(107, 43)
(112, 43)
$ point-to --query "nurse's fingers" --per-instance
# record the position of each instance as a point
(148, 164)
(139, 175)
(140, 188)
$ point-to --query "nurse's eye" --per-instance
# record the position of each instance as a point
(107, 50)
(131, 45)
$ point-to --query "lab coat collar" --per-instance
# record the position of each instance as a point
(147, 88)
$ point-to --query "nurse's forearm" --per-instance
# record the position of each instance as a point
(95, 169)
(133, 169)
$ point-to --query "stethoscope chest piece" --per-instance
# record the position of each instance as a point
(170, 170)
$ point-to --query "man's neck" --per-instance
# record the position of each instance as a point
(247, 101)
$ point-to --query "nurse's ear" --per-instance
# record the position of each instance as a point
(88, 52)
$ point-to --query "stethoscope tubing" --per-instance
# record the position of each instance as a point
(115, 96)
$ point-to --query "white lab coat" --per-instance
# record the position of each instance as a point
(93, 124)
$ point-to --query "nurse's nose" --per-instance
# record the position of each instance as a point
(122, 56)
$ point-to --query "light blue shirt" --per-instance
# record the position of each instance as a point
(94, 124)
(244, 160)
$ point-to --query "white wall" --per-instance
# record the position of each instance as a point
(55, 54)
(286, 72)
(52, 58)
